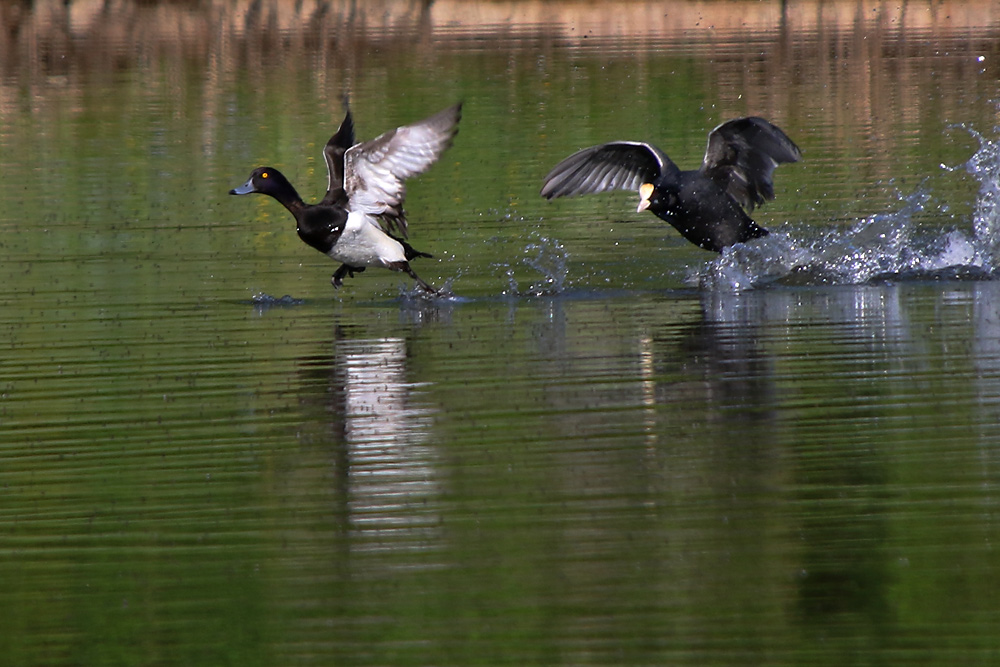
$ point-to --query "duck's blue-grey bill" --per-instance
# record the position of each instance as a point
(244, 189)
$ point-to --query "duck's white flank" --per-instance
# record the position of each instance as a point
(363, 243)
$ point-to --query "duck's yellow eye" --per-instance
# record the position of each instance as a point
(264, 174)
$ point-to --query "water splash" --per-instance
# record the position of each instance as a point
(744, 266)
(549, 259)
(882, 244)
(266, 300)
(262, 302)
(984, 166)
(411, 291)
(886, 246)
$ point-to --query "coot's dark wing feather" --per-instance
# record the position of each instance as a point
(619, 165)
(375, 171)
(741, 157)
(333, 153)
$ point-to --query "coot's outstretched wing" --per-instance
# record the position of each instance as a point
(375, 171)
(619, 165)
(741, 157)
(334, 152)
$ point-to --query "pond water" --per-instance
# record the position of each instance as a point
(608, 447)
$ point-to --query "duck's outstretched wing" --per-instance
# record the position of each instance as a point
(741, 157)
(333, 153)
(375, 171)
(619, 165)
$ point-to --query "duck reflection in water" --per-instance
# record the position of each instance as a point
(370, 423)
(708, 205)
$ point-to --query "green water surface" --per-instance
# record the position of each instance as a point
(582, 458)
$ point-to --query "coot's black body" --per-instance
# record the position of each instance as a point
(708, 205)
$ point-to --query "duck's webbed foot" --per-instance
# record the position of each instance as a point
(338, 278)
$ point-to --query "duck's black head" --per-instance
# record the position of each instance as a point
(268, 181)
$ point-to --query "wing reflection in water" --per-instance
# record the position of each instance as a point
(385, 472)
(391, 471)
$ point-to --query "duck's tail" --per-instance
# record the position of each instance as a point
(409, 251)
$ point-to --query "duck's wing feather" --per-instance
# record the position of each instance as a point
(375, 171)
(741, 157)
(619, 165)
(333, 153)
